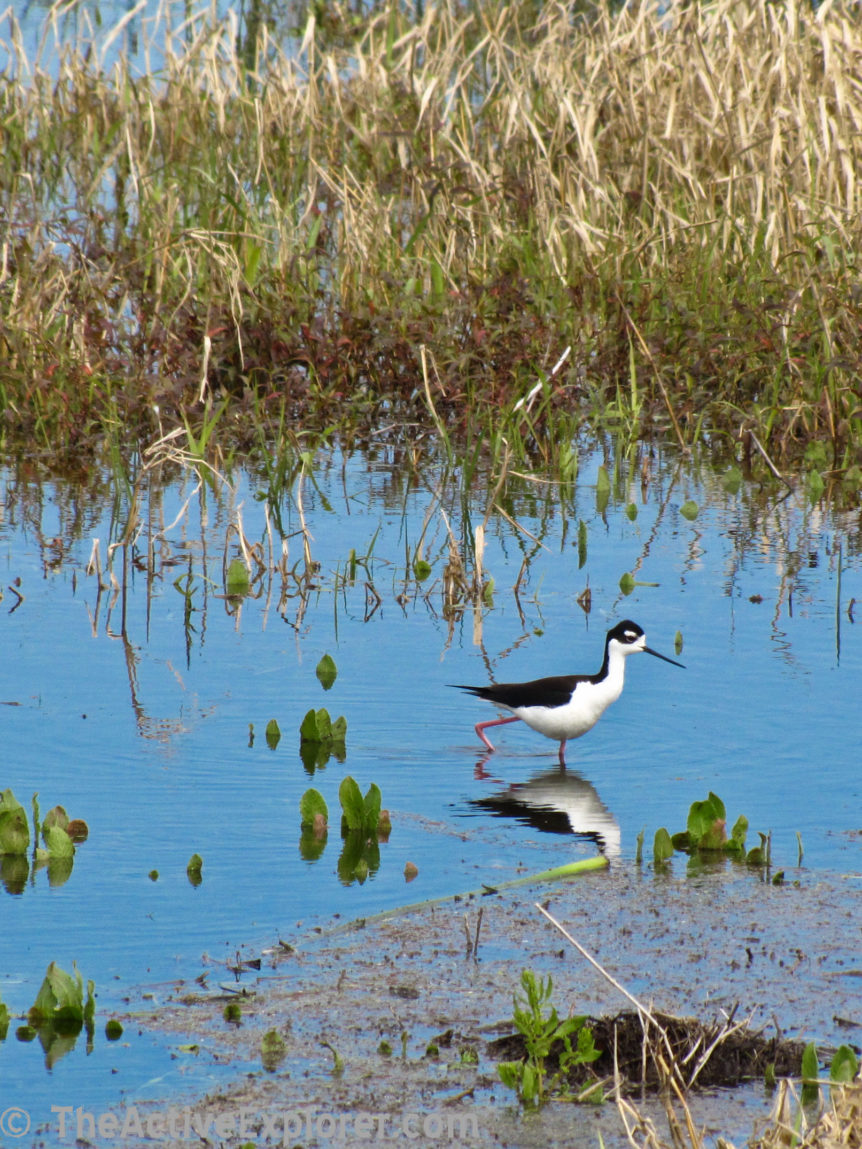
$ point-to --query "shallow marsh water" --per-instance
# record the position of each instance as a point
(133, 712)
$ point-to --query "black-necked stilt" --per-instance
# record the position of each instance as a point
(568, 705)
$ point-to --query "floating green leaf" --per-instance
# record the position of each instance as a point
(316, 726)
(326, 671)
(627, 583)
(421, 570)
(352, 805)
(194, 869)
(14, 828)
(61, 998)
(58, 843)
(272, 734)
(308, 727)
(689, 509)
(4, 1020)
(237, 583)
(631, 511)
(662, 846)
(311, 803)
(735, 846)
(371, 807)
(677, 642)
(707, 823)
(324, 725)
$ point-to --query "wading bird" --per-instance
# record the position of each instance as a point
(568, 705)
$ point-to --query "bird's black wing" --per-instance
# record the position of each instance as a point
(554, 691)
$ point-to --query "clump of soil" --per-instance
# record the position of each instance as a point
(641, 1055)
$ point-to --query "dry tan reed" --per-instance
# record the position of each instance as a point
(672, 191)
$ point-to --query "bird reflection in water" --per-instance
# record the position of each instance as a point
(557, 802)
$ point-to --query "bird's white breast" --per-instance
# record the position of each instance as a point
(580, 714)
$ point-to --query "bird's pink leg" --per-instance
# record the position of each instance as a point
(481, 727)
(563, 754)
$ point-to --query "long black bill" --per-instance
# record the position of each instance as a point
(663, 657)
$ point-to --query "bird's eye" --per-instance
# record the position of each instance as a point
(630, 636)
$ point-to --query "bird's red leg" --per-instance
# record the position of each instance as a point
(481, 727)
(563, 754)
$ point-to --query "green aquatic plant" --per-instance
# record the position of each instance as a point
(706, 836)
(232, 1013)
(359, 814)
(689, 510)
(363, 824)
(60, 1001)
(318, 727)
(312, 808)
(326, 671)
(59, 1013)
(194, 869)
(58, 832)
(321, 738)
(536, 1019)
(237, 579)
(272, 734)
(14, 827)
(314, 817)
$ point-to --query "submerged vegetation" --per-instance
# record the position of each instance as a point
(495, 219)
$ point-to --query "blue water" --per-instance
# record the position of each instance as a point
(142, 727)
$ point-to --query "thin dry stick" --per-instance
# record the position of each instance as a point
(768, 461)
(670, 1071)
(643, 1010)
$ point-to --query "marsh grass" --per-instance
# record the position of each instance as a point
(285, 220)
